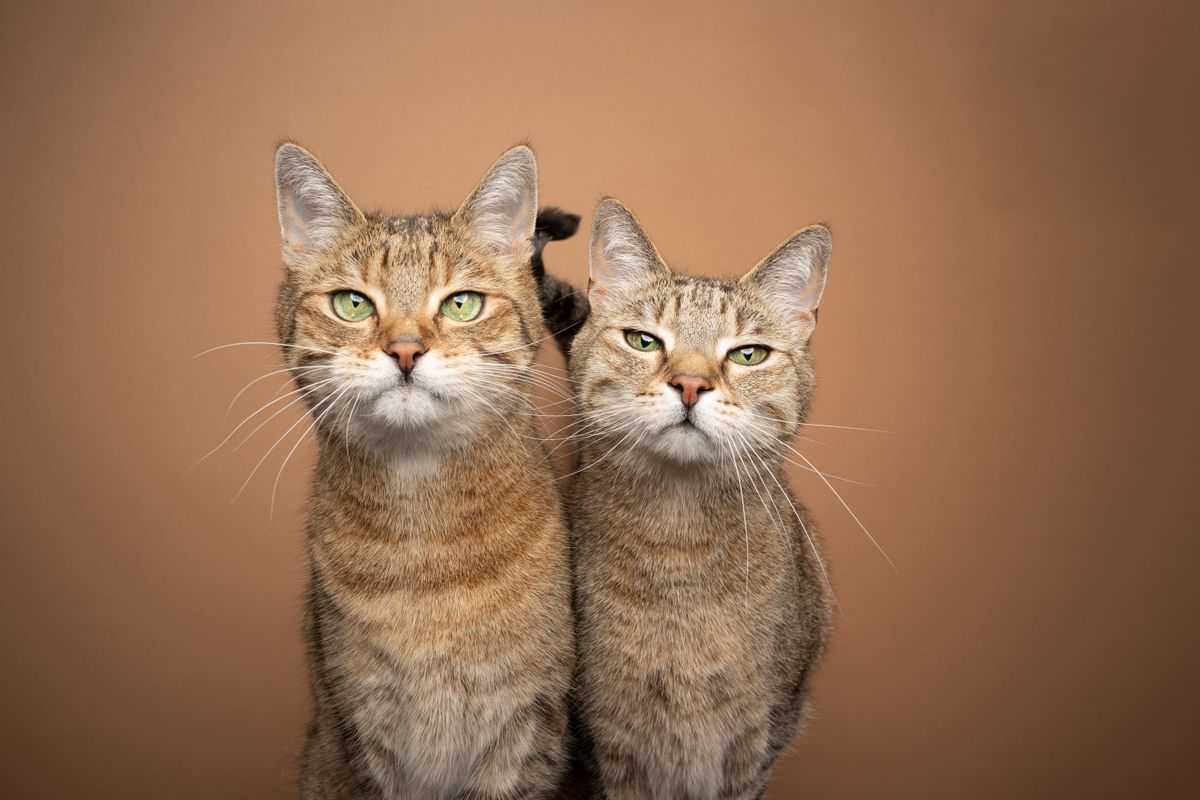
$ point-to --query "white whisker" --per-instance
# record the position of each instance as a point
(849, 511)
(316, 420)
(265, 344)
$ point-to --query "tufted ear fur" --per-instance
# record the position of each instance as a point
(313, 209)
(795, 273)
(621, 256)
(502, 210)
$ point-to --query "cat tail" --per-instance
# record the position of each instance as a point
(563, 306)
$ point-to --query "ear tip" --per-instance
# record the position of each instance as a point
(521, 154)
(289, 149)
(610, 203)
(610, 208)
(291, 159)
(819, 231)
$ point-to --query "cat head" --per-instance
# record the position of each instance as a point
(408, 329)
(693, 369)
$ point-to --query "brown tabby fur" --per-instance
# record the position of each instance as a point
(439, 614)
(702, 602)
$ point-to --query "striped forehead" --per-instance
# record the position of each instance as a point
(405, 260)
(699, 311)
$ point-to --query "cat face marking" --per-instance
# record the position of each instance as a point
(690, 368)
(423, 324)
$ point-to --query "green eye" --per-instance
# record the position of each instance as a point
(463, 307)
(640, 340)
(748, 356)
(352, 306)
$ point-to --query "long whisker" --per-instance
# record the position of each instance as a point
(849, 511)
(534, 343)
(300, 391)
(233, 402)
(775, 435)
(625, 427)
(774, 511)
(317, 419)
(304, 393)
(599, 460)
(848, 428)
(349, 415)
(277, 441)
(265, 344)
(523, 375)
(808, 537)
(745, 521)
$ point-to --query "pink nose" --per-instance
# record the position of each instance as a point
(690, 387)
(405, 351)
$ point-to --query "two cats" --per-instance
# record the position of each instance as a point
(442, 610)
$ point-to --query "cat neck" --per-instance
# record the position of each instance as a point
(636, 469)
(419, 465)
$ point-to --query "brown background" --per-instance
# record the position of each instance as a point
(1012, 190)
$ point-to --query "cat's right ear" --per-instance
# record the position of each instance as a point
(621, 256)
(313, 209)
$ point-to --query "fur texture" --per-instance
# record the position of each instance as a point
(439, 611)
(702, 601)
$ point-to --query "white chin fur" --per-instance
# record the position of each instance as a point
(685, 444)
(413, 423)
(407, 406)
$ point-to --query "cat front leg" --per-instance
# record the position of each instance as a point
(620, 775)
(327, 771)
(528, 758)
(747, 766)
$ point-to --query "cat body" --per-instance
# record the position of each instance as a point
(701, 599)
(441, 641)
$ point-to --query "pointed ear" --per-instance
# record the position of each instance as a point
(795, 273)
(621, 256)
(502, 210)
(313, 209)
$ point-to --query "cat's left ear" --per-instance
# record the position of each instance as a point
(794, 275)
(502, 210)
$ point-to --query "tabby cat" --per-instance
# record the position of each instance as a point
(438, 620)
(701, 597)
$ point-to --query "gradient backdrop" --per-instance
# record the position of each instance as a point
(1012, 190)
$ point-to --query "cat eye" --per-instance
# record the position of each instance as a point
(640, 340)
(749, 355)
(463, 307)
(352, 306)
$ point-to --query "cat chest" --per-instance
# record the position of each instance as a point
(676, 641)
(428, 707)
(428, 719)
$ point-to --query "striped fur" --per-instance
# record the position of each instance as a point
(438, 618)
(702, 603)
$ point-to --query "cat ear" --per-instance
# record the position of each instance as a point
(502, 210)
(313, 209)
(795, 273)
(621, 256)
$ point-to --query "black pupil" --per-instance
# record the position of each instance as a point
(645, 340)
(356, 299)
(460, 300)
(747, 352)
